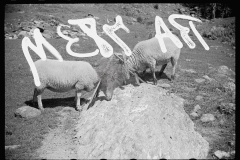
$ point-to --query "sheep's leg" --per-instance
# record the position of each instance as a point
(34, 100)
(136, 78)
(154, 76)
(152, 68)
(78, 94)
(40, 102)
(174, 64)
(162, 69)
(38, 98)
(75, 99)
(79, 87)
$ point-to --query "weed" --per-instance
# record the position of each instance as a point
(139, 19)
(155, 6)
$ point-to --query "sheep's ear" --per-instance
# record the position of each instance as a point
(124, 57)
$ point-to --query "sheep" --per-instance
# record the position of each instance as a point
(148, 54)
(65, 76)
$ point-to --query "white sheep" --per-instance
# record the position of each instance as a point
(65, 76)
(148, 54)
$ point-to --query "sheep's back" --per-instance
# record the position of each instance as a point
(66, 72)
(151, 49)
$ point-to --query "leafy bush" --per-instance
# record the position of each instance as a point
(212, 10)
(139, 19)
(155, 6)
(225, 33)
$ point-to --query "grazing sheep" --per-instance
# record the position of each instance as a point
(148, 54)
(65, 76)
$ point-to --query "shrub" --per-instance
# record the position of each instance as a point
(139, 20)
(225, 33)
(155, 6)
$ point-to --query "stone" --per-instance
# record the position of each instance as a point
(207, 78)
(139, 122)
(46, 35)
(207, 117)
(14, 36)
(65, 32)
(12, 147)
(200, 80)
(196, 108)
(190, 71)
(164, 85)
(194, 114)
(230, 86)
(220, 154)
(22, 33)
(224, 70)
(27, 112)
(199, 98)
(182, 10)
(227, 108)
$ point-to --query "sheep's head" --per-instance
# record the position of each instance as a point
(113, 76)
(125, 67)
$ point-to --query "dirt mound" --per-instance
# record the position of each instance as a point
(137, 123)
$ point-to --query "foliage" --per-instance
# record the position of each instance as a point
(139, 20)
(226, 33)
(205, 10)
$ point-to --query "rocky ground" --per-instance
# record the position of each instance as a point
(199, 105)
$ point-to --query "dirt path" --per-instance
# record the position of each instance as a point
(59, 142)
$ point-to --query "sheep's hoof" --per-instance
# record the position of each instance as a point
(79, 109)
(172, 77)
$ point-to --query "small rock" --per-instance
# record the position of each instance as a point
(65, 32)
(220, 154)
(190, 71)
(207, 117)
(22, 33)
(164, 85)
(188, 89)
(194, 114)
(224, 70)
(227, 107)
(27, 112)
(230, 86)
(46, 35)
(232, 152)
(76, 45)
(14, 36)
(231, 143)
(222, 121)
(218, 90)
(199, 80)
(199, 98)
(208, 78)
(12, 147)
(196, 108)
(182, 10)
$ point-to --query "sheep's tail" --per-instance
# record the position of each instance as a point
(94, 94)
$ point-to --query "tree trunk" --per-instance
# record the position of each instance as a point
(214, 9)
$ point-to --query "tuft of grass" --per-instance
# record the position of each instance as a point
(155, 6)
(139, 19)
(226, 33)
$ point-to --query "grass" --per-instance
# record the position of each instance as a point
(225, 32)
(28, 133)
